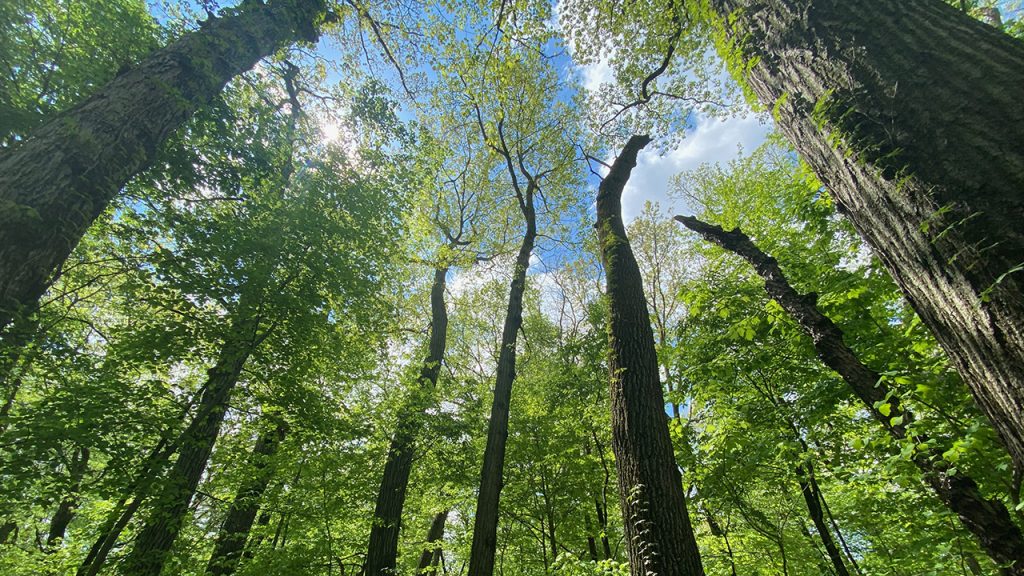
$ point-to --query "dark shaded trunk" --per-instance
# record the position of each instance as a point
(591, 541)
(227, 550)
(909, 111)
(56, 182)
(171, 503)
(811, 499)
(659, 536)
(118, 518)
(717, 530)
(987, 519)
(602, 521)
(66, 509)
(432, 550)
(382, 551)
(485, 522)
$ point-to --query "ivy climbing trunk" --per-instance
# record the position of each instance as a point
(382, 552)
(910, 112)
(230, 543)
(485, 522)
(170, 504)
(987, 519)
(56, 182)
(659, 536)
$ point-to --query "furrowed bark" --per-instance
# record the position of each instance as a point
(170, 505)
(485, 523)
(987, 519)
(61, 178)
(659, 536)
(909, 111)
(382, 551)
(432, 551)
(230, 543)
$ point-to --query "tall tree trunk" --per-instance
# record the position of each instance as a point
(56, 182)
(485, 523)
(591, 541)
(227, 550)
(811, 499)
(659, 536)
(69, 503)
(910, 112)
(170, 505)
(987, 519)
(382, 551)
(431, 552)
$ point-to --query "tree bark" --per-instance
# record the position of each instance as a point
(170, 505)
(485, 523)
(659, 536)
(813, 502)
(230, 543)
(909, 111)
(66, 509)
(431, 552)
(987, 519)
(382, 551)
(61, 178)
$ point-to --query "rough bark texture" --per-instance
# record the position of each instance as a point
(659, 536)
(910, 112)
(485, 523)
(432, 551)
(66, 509)
(813, 502)
(227, 550)
(171, 503)
(55, 183)
(382, 552)
(987, 519)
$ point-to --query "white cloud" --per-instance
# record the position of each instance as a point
(712, 141)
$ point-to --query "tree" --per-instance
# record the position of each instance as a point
(659, 535)
(987, 519)
(62, 176)
(922, 160)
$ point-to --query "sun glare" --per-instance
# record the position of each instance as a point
(330, 132)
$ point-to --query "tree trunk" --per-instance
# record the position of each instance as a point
(431, 552)
(171, 504)
(987, 519)
(382, 551)
(659, 536)
(56, 182)
(227, 550)
(66, 510)
(485, 523)
(910, 112)
(818, 517)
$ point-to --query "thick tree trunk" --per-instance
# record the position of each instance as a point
(382, 551)
(432, 551)
(66, 509)
(170, 505)
(659, 536)
(55, 183)
(813, 502)
(910, 112)
(987, 519)
(485, 523)
(227, 550)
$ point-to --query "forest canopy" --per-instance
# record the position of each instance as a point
(511, 287)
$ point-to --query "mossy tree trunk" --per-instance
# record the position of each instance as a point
(56, 182)
(910, 112)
